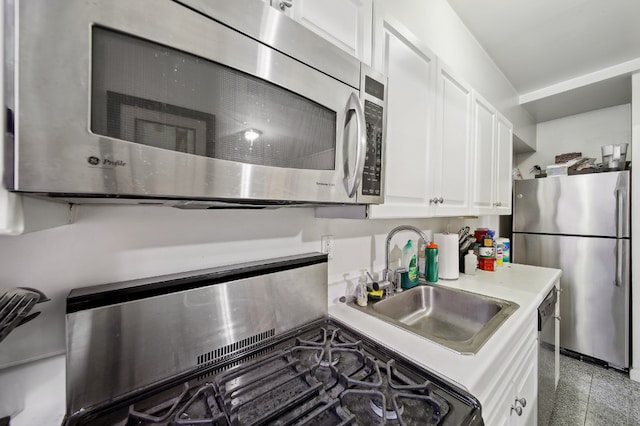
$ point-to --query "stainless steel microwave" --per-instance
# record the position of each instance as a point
(191, 103)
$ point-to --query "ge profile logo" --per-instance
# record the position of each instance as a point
(105, 163)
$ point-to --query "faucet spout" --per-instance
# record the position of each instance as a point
(394, 231)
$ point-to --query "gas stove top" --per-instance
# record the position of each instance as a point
(323, 374)
(249, 344)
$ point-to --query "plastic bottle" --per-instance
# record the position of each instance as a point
(470, 263)
(361, 291)
(410, 262)
(506, 249)
(431, 262)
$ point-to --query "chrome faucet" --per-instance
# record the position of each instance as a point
(393, 282)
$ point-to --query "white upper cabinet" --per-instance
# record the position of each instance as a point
(504, 165)
(450, 157)
(484, 141)
(411, 70)
(492, 160)
(345, 23)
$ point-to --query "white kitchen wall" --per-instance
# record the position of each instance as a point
(584, 133)
(635, 232)
(115, 243)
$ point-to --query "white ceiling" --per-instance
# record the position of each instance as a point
(547, 48)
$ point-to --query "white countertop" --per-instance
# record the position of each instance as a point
(525, 285)
(43, 381)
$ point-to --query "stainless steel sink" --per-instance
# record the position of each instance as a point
(460, 320)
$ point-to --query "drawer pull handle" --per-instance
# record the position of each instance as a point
(522, 401)
(518, 410)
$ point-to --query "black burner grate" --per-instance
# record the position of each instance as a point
(322, 376)
(191, 407)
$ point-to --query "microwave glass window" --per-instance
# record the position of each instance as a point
(152, 95)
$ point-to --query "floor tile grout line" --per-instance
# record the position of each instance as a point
(588, 398)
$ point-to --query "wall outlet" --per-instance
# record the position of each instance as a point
(326, 243)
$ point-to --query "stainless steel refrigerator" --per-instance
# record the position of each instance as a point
(581, 224)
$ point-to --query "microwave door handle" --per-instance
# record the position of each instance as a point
(353, 181)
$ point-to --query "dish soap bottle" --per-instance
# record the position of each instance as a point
(410, 262)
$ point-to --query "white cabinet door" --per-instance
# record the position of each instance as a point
(525, 398)
(502, 414)
(483, 158)
(504, 165)
(513, 397)
(345, 23)
(450, 154)
(411, 70)
(492, 160)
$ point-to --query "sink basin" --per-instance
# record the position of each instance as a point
(457, 319)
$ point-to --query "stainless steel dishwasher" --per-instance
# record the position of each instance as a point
(546, 357)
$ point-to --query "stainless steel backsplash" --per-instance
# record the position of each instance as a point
(127, 336)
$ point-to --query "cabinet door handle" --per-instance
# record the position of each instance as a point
(285, 3)
(522, 401)
(558, 318)
(441, 200)
(518, 410)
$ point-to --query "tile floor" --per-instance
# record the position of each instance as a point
(589, 394)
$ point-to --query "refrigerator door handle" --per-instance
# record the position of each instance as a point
(620, 212)
(620, 256)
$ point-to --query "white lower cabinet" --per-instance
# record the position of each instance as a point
(513, 400)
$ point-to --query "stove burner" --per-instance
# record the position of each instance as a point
(200, 408)
(325, 362)
(159, 413)
(389, 414)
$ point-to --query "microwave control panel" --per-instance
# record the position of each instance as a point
(371, 177)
